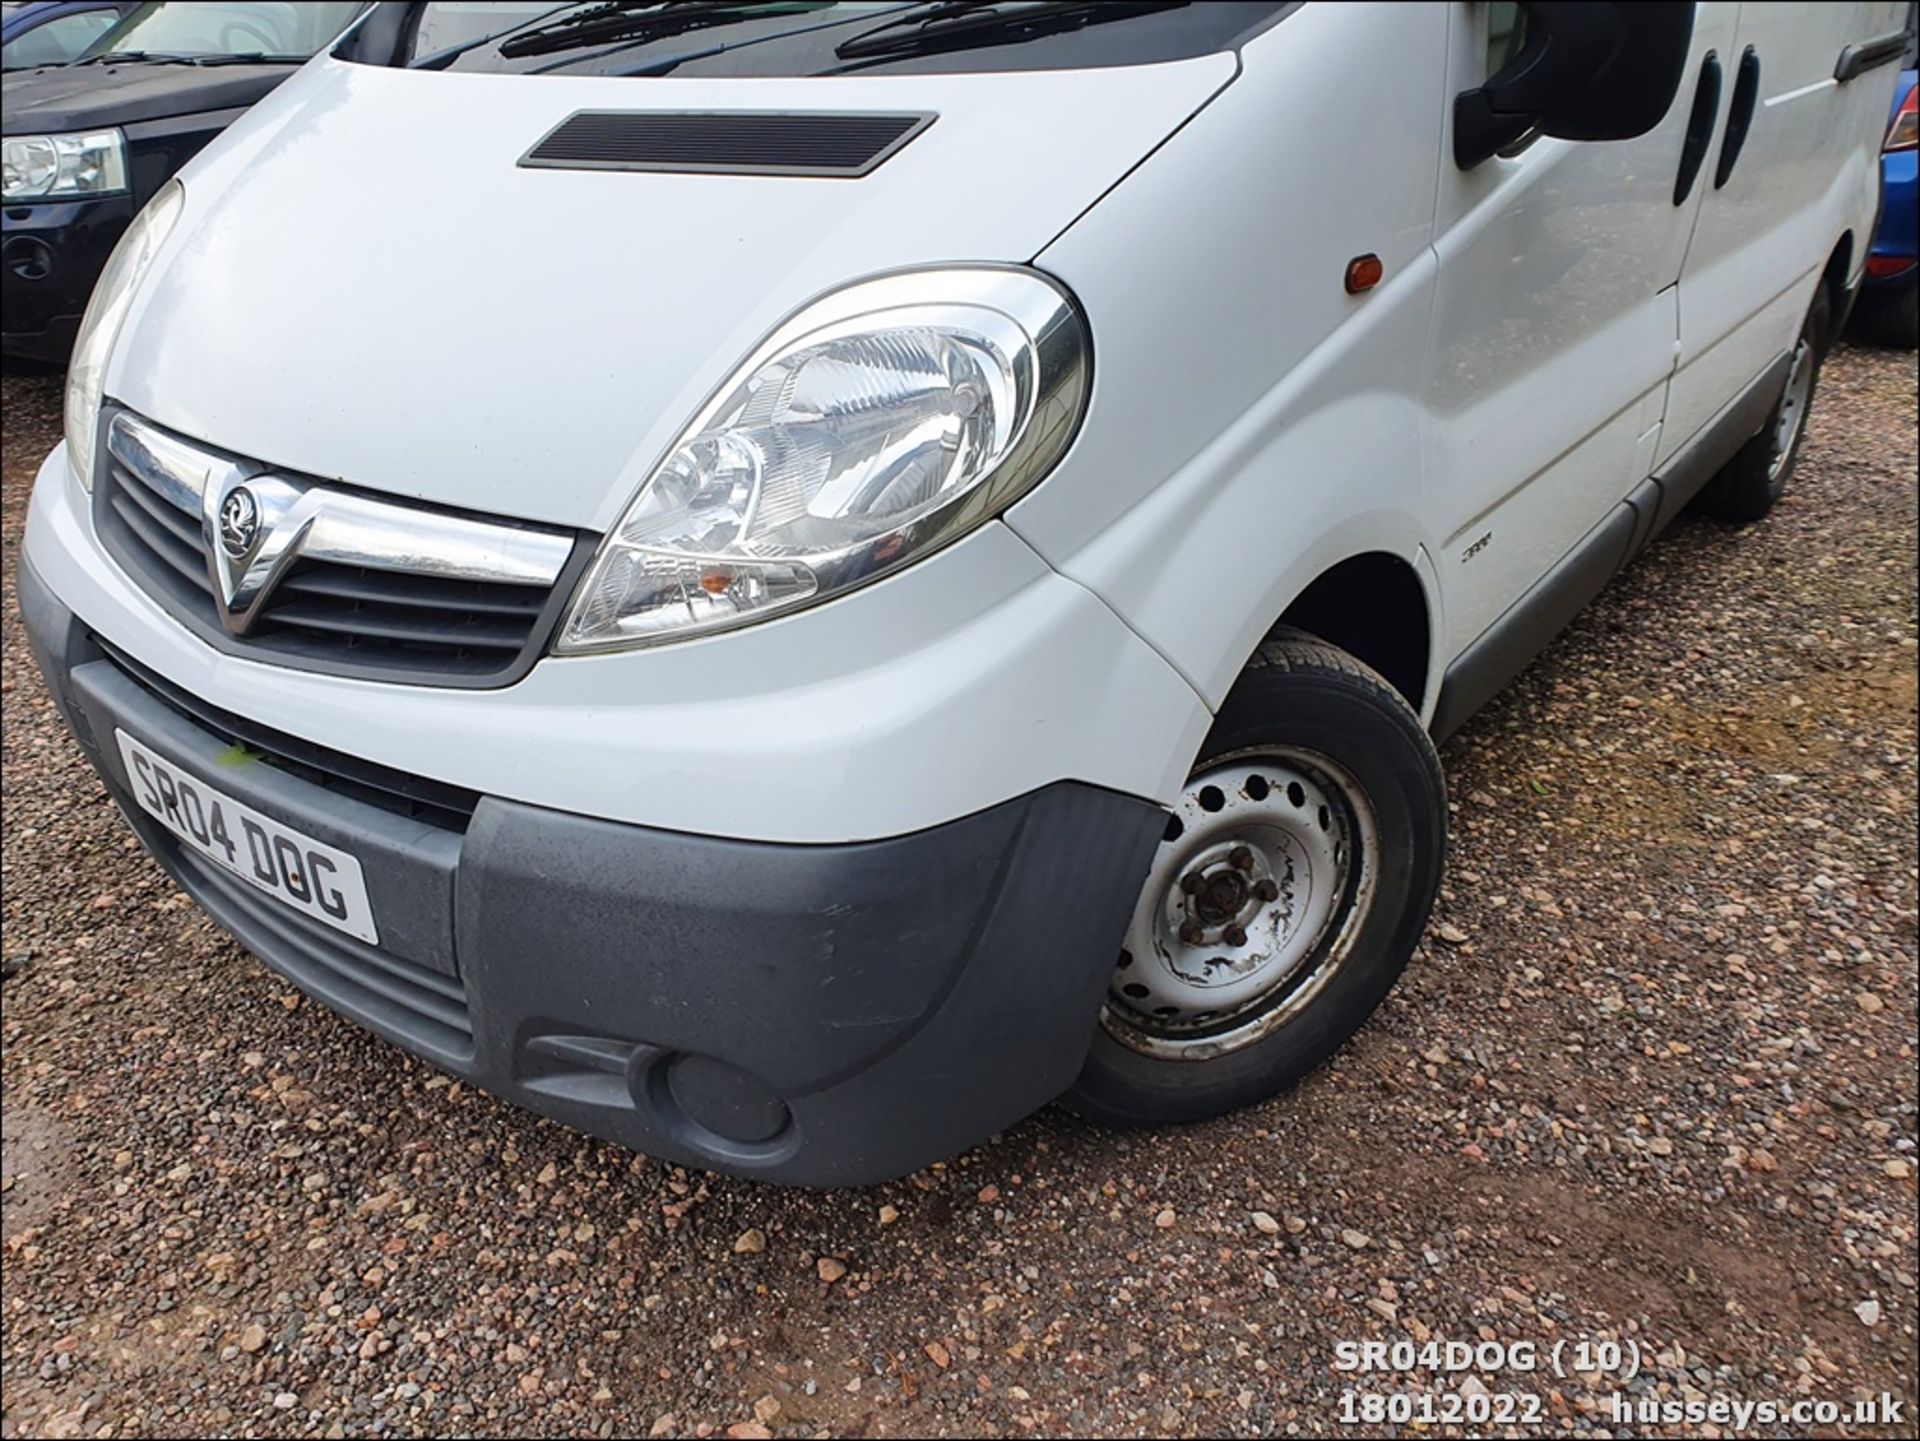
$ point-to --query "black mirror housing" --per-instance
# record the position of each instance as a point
(1588, 70)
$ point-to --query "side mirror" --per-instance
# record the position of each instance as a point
(1587, 70)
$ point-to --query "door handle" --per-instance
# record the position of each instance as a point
(1746, 92)
(1864, 55)
(1693, 150)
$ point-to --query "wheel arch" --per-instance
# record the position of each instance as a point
(1375, 606)
(1836, 279)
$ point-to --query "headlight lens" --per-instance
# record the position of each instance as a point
(100, 326)
(51, 167)
(877, 425)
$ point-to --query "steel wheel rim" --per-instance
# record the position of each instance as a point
(1793, 408)
(1186, 986)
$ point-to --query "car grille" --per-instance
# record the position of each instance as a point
(394, 615)
(417, 798)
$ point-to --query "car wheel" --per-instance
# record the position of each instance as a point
(1755, 479)
(1292, 884)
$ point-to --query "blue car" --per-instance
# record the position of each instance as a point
(1888, 310)
(53, 32)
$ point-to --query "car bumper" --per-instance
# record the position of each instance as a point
(1896, 238)
(53, 252)
(943, 690)
(1889, 280)
(819, 1015)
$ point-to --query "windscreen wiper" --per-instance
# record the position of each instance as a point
(250, 57)
(967, 24)
(136, 57)
(667, 64)
(441, 59)
(617, 22)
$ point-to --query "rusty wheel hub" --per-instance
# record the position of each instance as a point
(1253, 884)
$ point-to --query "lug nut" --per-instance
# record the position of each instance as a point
(1191, 932)
(1235, 935)
(1192, 881)
(1240, 858)
(1266, 890)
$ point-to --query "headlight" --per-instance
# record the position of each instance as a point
(877, 425)
(100, 326)
(57, 167)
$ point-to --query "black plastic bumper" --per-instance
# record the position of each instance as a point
(821, 1015)
(51, 253)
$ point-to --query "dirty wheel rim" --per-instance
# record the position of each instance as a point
(1256, 893)
(1793, 408)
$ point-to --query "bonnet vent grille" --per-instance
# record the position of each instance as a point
(725, 143)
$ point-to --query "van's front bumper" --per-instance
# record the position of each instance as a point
(816, 1014)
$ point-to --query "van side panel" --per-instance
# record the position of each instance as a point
(1807, 174)
(1529, 625)
(1554, 329)
(1251, 423)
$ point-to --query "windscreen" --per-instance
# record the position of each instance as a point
(798, 38)
(251, 29)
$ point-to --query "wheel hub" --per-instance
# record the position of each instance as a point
(1221, 896)
(1793, 407)
(1254, 872)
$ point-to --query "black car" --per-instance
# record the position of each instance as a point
(86, 144)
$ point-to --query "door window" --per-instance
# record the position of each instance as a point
(57, 41)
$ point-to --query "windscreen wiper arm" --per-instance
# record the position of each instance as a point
(962, 26)
(251, 57)
(442, 58)
(618, 21)
(667, 64)
(135, 57)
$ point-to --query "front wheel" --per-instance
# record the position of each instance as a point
(1292, 885)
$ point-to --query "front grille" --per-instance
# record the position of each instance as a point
(378, 621)
(168, 537)
(488, 623)
(398, 792)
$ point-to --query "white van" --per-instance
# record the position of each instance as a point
(786, 584)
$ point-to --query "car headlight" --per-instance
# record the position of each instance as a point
(100, 326)
(61, 167)
(878, 424)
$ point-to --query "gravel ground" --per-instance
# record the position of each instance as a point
(1652, 1077)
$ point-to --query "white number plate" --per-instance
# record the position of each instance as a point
(315, 879)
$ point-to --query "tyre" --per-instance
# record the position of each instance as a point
(1293, 883)
(1754, 480)
(1888, 318)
